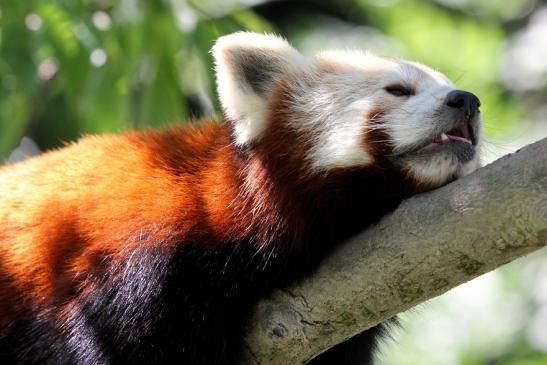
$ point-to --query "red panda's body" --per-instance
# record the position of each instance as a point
(152, 247)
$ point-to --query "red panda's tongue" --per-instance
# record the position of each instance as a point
(444, 137)
(461, 133)
(457, 138)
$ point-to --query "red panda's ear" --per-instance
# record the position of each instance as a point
(248, 67)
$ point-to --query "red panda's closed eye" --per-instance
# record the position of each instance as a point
(399, 90)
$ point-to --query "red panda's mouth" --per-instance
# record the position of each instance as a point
(459, 141)
(462, 133)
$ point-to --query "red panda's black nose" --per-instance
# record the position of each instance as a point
(463, 100)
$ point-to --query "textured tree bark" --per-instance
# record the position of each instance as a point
(430, 244)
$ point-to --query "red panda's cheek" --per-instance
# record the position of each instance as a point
(376, 139)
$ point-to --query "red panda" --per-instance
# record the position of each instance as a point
(152, 247)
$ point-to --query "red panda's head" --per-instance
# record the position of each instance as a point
(347, 109)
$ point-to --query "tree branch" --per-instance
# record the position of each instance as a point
(430, 244)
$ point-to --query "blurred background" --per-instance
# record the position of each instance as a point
(74, 67)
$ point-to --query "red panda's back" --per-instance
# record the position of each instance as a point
(63, 212)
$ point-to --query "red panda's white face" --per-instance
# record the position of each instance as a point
(350, 109)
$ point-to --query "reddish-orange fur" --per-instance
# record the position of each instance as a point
(89, 200)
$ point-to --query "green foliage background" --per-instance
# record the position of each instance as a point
(158, 62)
(73, 67)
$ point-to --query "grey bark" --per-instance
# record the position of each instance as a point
(430, 244)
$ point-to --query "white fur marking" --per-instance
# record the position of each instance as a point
(340, 143)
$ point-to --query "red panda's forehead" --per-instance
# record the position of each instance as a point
(374, 70)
